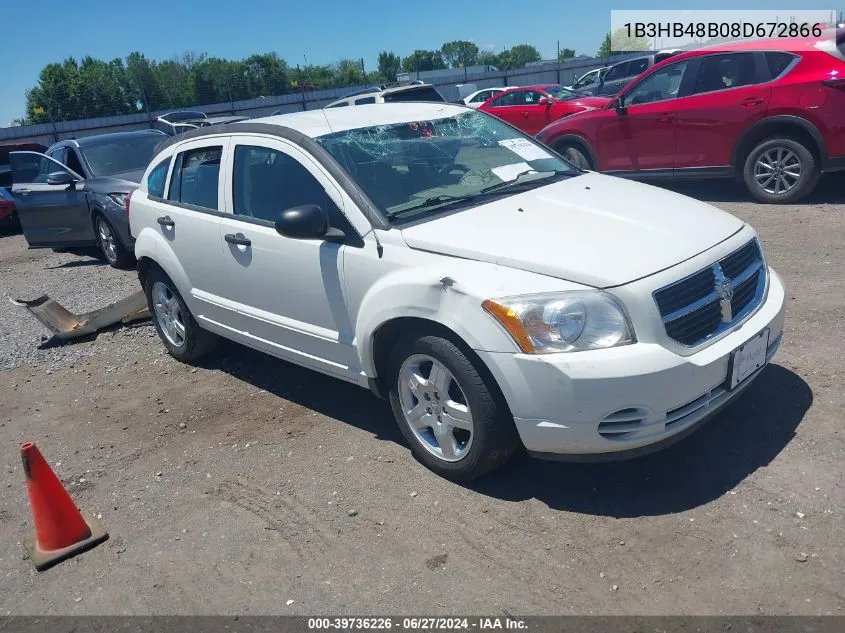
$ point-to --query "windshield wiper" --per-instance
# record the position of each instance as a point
(435, 201)
(520, 180)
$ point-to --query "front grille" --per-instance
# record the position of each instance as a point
(713, 299)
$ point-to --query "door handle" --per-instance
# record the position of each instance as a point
(166, 221)
(237, 238)
(750, 102)
(23, 192)
(666, 117)
(525, 114)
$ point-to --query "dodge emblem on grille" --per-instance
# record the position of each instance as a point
(725, 290)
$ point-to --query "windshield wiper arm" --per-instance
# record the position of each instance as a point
(434, 201)
(519, 180)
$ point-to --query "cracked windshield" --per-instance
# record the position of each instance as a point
(415, 168)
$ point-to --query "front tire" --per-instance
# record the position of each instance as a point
(184, 339)
(575, 155)
(455, 421)
(780, 171)
(113, 250)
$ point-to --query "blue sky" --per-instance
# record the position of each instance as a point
(35, 34)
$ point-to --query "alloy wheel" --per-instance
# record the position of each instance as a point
(777, 171)
(168, 314)
(108, 241)
(435, 408)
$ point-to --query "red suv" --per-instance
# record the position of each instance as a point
(769, 113)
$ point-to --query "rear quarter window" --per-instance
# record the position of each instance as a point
(157, 178)
(778, 62)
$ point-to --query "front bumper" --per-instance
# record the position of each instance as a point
(618, 402)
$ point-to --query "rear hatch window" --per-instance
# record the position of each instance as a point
(423, 93)
(779, 62)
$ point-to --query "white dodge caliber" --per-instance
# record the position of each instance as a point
(494, 293)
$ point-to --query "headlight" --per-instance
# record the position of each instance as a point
(563, 322)
(119, 199)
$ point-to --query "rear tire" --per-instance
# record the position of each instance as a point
(780, 170)
(454, 420)
(112, 249)
(184, 339)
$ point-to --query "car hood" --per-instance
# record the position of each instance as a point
(118, 183)
(590, 102)
(592, 229)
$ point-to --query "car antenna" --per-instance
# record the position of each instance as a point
(379, 247)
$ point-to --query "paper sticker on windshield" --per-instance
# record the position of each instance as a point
(510, 172)
(525, 149)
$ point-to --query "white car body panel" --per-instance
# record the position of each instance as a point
(320, 304)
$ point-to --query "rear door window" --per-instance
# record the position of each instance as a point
(725, 71)
(196, 177)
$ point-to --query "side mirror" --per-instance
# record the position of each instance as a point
(545, 101)
(60, 178)
(307, 222)
(618, 104)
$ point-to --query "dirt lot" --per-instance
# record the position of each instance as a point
(247, 485)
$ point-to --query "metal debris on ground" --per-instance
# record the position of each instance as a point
(64, 324)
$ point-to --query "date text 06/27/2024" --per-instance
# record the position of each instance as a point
(416, 623)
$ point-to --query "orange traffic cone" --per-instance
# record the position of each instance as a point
(61, 531)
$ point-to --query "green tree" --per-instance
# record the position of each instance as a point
(619, 42)
(265, 75)
(174, 81)
(142, 80)
(565, 53)
(518, 56)
(376, 78)
(421, 60)
(320, 76)
(347, 72)
(459, 53)
(389, 65)
(487, 58)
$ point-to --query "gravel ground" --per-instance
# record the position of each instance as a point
(246, 485)
(80, 282)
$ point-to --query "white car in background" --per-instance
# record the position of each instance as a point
(415, 91)
(477, 98)
(494, 293)
(589, 78)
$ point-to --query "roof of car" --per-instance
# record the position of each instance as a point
(316, 123)
(761, 44)
(382, 91)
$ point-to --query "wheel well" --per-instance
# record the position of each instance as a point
(390, 332)
(144, 266)
(776, 129)
(561, 142)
